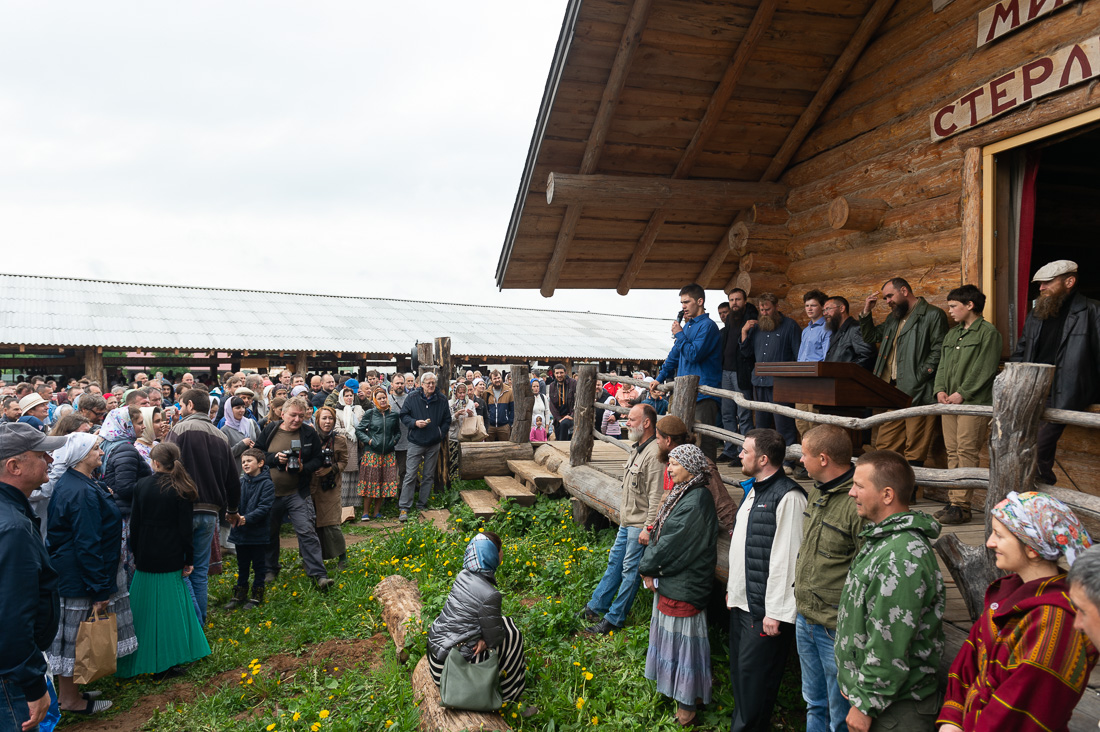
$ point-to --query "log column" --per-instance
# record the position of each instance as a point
(685, 390)
(524, 402)
(443, 362)
(301, 365)
(93, 365)
(424, 356)
(584, 416)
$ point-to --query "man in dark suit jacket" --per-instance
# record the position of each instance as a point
(736, 371)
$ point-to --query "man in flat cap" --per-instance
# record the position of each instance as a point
(1062, 329)
(29, 600)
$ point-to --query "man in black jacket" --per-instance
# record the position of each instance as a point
(562, 393)
(29, 601)
(292, 451)
(736, 370)
(846, 344)
(427, 417)
(1062, 329)
(204, 451)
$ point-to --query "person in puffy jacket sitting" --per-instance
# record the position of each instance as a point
(471, 619)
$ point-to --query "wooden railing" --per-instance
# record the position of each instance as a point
(1019, 396)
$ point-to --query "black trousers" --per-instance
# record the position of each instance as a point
(756, 669)
(251, 556)
(1046, 447)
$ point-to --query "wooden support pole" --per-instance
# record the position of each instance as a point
(1019, 393)
(972, 217)
(93, 366)
(301, 364)
(424, 357)
(685, 390)
(584, 416)
(443, 362)
(524, 402)
(645, 192)
(857, 214)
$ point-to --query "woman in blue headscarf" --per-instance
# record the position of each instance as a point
(472, 621)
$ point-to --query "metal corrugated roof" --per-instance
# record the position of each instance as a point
(59, 311)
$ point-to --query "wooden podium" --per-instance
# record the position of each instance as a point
(825, 384)
(843, 389)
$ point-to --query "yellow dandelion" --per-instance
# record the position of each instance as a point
(246, 630)
(323, 714)
(296, 716)
(270, 727)
(595, 721)
(580, 702)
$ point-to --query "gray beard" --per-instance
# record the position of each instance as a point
(768, 322)
(635, 435)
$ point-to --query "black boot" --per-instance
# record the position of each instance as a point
(342, 562)
(257, 598)
(240, 596)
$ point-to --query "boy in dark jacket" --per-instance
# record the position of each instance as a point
(252, 533)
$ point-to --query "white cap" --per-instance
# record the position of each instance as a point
(1055, 269)
(30, 401)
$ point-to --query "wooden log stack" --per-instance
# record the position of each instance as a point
(480, 459)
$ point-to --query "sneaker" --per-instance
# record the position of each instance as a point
(403, 516)
(365, 519)
(953, 516)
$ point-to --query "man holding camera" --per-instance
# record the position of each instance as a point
(293, 453)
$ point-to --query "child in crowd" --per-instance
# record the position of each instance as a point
(252, 534)
(538, 432)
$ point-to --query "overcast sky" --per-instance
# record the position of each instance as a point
(354, 148)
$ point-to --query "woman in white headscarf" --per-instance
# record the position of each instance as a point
(348, 416)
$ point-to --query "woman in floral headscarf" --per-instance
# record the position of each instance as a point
(378, 433)
(1024, 667)
(678, 566)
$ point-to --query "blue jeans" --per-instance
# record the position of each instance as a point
(614, 595)
(203, 526)
(826, 709)
(734, 418)
(13, 707)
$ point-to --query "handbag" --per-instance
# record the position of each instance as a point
(96, 648)
(471, 686)
(472, 429)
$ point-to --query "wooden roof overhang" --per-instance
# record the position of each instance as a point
(663, 132)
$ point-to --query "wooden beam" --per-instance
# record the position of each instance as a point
(848, 213)
(620, 67)
(972, 217)
(828, 88)
(717, 105)
(625, 191)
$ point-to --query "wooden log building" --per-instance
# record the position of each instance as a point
(781, 146)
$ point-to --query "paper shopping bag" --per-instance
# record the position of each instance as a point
(96, 648)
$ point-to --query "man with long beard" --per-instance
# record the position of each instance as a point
(1062, 329)
(911, 340)
(770, 338)
(736, 370)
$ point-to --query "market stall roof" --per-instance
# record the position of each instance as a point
(59, 311)
(663, 123)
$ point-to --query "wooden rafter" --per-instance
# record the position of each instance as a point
(844, 63)
(718, 101)
(629, 191)
(620, 67)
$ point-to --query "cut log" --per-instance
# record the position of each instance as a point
(622, 191)
(537, 478)
(857, 214)
(524, 403)
(768, 214)
(480, 459)
(745, 238)
(400, 600)
(435, 718)
(482, 503)
(504, 487)
(761, 262)
(586, 516)
(584, 415)
(758, 283)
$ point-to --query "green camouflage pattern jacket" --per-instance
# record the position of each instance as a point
(889, 635)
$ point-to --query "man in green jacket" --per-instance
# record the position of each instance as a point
(968, 365)
(909, 341)
(889, 633)
(830, 540)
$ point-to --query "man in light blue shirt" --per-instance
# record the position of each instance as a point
(815, 336)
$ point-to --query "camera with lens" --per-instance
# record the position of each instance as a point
(327, 456)
(293, 457)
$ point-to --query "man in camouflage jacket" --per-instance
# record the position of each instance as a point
(889, 636)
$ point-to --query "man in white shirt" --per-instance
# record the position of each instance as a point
(760, 592)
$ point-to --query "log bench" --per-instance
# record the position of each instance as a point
(400, 600)
(503, 486)
(537, 478)
(483, 503)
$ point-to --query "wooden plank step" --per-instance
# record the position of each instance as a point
(537, 478)
(483, 503)
(504, 486)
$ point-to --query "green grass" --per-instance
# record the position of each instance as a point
(550, 568)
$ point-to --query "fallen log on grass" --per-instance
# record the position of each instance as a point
(400, 600)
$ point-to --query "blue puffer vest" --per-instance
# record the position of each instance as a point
(759, 537)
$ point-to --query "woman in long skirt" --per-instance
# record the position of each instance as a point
(678, 565)
(378, 432)
(347, 418)
(324, 487)
(169, 633)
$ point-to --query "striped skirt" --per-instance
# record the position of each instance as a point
(679, 656)
(61, 654)
(513, 663)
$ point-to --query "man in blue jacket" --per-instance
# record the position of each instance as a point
(29, 601)
(697, 350)
(428, 418)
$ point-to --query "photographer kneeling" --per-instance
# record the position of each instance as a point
(293, 454)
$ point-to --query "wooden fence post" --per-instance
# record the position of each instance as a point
(584, 416)
(685, 390)
(1019, 395)
(443, 364)
(524, 402)
(424, 356)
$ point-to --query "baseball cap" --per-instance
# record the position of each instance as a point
(1054, 269)
(17, 438)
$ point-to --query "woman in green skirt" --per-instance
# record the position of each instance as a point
(168, 631)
